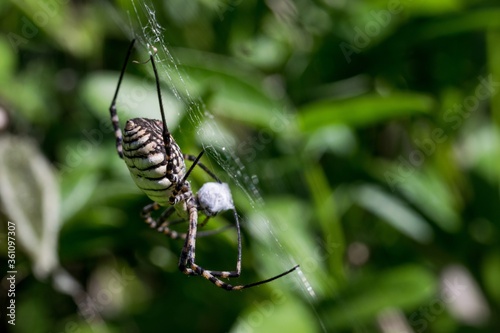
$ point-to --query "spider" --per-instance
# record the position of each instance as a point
(157, 166)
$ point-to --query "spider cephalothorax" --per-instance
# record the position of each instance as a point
(157, 166)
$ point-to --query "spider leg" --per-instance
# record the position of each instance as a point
(207, 170)
(112, 108)
(195, 160)
(173, 154)
(190, 244)
(202, 224)
(203, 166)
(161, 225)
(211, 276)
(188, 266)
(188, 250)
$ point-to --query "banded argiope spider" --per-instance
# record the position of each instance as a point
(157, 166)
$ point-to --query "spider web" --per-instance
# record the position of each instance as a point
(144, 26)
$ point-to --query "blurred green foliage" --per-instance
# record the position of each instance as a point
(370, 129)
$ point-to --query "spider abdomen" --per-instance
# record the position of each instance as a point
(146, 158)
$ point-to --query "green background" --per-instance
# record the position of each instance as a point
(360, 140)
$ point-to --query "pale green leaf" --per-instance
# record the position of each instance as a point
(29, 194)
(394, 211)
(362, 111)
(137, 98)
(404, 287)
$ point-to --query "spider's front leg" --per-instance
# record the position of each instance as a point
(112, 108)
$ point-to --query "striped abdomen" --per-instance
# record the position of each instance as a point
(146, 158)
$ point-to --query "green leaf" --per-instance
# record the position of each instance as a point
(7, 61)
(136, 98)
(394, 211)
(480, 151)
(327, 215)
(77, 35)
(491, 274)
(338, 139)
(280, 227)
(404, 287)
(229, 87)
(463, 22)
(278, 313)
(362, 111)
(426, 190)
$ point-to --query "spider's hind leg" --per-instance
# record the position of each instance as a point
(212, 276)
(161, 224)
(188, 266)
